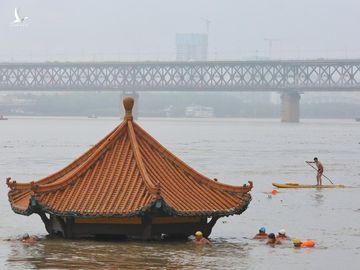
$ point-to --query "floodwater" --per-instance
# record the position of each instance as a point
(232, 150)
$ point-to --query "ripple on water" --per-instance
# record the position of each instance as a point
(60, 254)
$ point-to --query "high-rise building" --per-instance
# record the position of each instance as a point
(191, 46)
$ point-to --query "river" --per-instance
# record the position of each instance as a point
(232, 150)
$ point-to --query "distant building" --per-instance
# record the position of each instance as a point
(199, 111)
(191, 46)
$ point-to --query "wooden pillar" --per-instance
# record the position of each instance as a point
(69, 224)
(46, 221)
(58, 225)
(209, 226)
(147, 234)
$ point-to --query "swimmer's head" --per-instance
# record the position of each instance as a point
(262, 230)
(297, 242)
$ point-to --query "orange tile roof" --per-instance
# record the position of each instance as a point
(125, 174)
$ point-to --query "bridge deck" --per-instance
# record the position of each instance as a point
(291, 75)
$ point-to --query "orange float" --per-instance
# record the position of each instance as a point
(308, 243)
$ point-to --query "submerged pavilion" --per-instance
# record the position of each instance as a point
(128, 185)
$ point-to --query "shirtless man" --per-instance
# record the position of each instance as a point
(26, 238)
(272, 241)
(262, 234)
(282, 235)
(320, 170)
(200, 240)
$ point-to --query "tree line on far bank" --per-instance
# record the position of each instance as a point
(254, 105)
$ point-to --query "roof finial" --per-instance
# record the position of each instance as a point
(128, 105)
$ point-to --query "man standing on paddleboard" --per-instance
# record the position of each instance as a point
(320, 170)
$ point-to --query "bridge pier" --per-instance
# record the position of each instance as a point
(290, 107)
(136, 97)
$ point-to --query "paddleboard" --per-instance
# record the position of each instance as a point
(297, 185)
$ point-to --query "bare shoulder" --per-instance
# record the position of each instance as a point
(205, 241)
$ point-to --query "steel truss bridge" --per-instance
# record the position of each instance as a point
(301, 76)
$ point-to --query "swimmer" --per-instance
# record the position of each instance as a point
(200, 240)
(307, 243)
(26, 238)
(272, 241)
(262, 234)
(282, 235)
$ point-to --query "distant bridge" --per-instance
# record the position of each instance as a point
(290, 77)
(314, 75)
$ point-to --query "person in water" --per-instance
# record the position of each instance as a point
(282, 235)
(200, 239)
(320, 170)
(307, 243)
(272, 241)
(262, 234)
(26, 238)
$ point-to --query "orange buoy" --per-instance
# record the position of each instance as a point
(274, 192)
(308, 243)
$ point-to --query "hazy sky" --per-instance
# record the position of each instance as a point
(145, 29)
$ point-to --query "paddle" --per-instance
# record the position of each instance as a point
(317, 169)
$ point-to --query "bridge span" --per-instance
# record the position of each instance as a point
(290, 78)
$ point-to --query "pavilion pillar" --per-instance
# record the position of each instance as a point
(136, 96)
(46, 221)
(147, 233)
(69, 225)
(290, 107)
(208, 227)
(57, 225)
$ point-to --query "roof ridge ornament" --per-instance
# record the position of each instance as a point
(10, 183)
(34, 186)
(128, 103)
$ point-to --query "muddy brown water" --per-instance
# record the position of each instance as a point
(231, 150)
